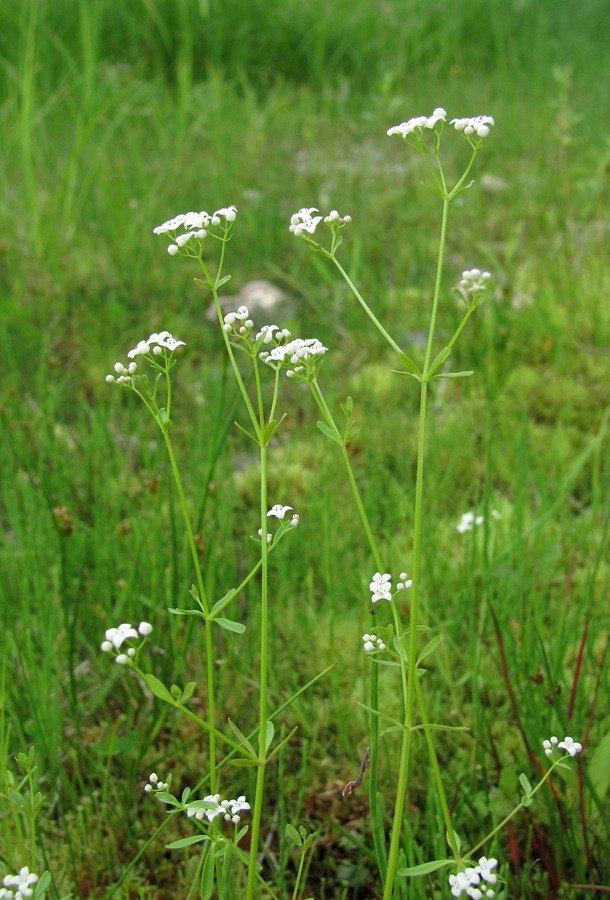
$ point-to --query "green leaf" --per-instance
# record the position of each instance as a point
(222, 281)
(175, 611)
(438, 361)
(158, 688)
(187, 841)
(220, 603)
(525, 784)
(243, 740)
(16, 798)
(242, 763)
(175, 692)
(188, 691)
(425, 868)
(207, 877)
(329, 432)
(42, 884)
(269, 732)
(429, 648)
(229, 625)
(194, 593)
(294, 836)
(410, 364)
(526, 801)
(454, 374)
(347, 407)
(247, 433)
(410, 374)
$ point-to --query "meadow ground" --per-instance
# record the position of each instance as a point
(116, 116)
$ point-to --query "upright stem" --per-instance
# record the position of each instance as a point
(262, 703)
(403, 772)
(211, 716)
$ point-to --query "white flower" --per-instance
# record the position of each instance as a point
(155, 784)
(333, 218)
(474, 281)
(227, 212)
(156, 340)
(278, 511)
(300, 356)
(568, 744)
(22, 881)
(418, 123)
(468, 521)
(145, 628)
(477, 125)
(295, 520)
(371, 642)
(473, 881)
(404, 582)
(304, 222)
(116, 636)
(381, 587)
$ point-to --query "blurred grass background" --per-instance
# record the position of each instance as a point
(116, 116)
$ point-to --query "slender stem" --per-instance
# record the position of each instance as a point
(403, 772)
(262, 706)
(211, 716)
(366, 307)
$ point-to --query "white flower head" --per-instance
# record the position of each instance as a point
(474, 282)
(473, 881)
(23, 881)
(187, 231)
(418, 124)
(156, 343)
(474, 127)
(370, 643)
(381, 587)
(278, 511)
(568, 744)
(304, 222)
(468, 521)
(116, 636)
(300, 357)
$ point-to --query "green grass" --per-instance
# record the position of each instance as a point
(122, 115)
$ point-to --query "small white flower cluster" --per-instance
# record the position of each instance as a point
(124, 632)
(278, 511)
(468, 520)
(477, 125)
(270, 333)
(300, 357)
(372, 642)
(418, 123)
(228, 809)
(22, 881)
(157, 344)
(473, 881)
(568, 744)
(238, 321)
(154, 784)
(194, 225)
(474, 281)
(304, 222)
(381, 586)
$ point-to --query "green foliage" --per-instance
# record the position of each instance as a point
(122, 114)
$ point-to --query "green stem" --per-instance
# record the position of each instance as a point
(403, 772)
(262, 707)
(211, 713)
(366, 307)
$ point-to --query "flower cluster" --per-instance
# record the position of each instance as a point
(114, 638)
(475, 125)
(238, 322)
(158, 344)
(381, 587)
(22, 881)
(371, 642)
(473, 881)
(228, 809)
(304, 222)
(474, 281)
(568, 744)
(278, 511)
(468, 521)
(154, 784)
(300, 357)
(195, 225)
(417, 124)
(271, 334)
